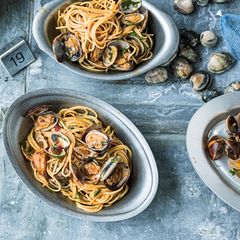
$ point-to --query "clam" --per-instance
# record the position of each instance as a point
(189, 53)
(200, 81)
(232, 148)
(37, 110)
(82, 152)
(110, 55)
(220, 62)
(209, 95)
(125, 66)
(97, 141)
(184, 6)
(208, 39)
(157, 75)
(129, 6)
(67, 46)
(189, 37)
(182, 68)
(132, 18)
(234, 86)
(120, 44)
(59, 140)
(233, 124)
(108, 167)
(215, 147)
(118, 177)
(59, 143)
(46, 121)
(86, 171)
(96, 54)
(202, 3)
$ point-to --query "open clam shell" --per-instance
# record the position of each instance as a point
(67, 46)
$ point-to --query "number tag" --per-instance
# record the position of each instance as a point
(16, 56)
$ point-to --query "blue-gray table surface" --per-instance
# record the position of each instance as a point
(184, 208)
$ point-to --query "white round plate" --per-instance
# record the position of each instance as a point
(215, 174)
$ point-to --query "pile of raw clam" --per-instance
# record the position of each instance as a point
(183, 64)
(229, 146)
(188, 6)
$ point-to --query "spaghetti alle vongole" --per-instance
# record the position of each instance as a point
(73, 153)
(104, 35)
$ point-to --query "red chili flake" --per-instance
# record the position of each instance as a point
(59, 149)
(57, 128)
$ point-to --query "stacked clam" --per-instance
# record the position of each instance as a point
(86, 167)
(229, 146)
(113, 172)
(188, 6)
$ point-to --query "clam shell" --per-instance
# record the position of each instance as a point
(157, 75)
(234, 86)
(202, 3)
(200, 81)
(129, 6)
(110, 55)
(189, 37)
(184, 6)
(209, 95)
(67, 46)
(132, 18)
(220, 62)
(208, 39)
(189, 53)
(182, 68)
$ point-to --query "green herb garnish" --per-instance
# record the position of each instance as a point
(232, 171)
(122, 51)
(97, 192)
(114, 159)
(127, 3)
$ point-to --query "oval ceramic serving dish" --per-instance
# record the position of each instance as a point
(166, 40)
(206, 121)
(144, 178)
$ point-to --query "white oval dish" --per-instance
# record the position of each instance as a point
(143, 182)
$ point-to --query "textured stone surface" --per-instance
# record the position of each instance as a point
(184, 208)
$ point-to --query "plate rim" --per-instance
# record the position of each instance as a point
(197, 155)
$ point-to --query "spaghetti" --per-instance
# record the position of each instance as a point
(71, 152)
(104, 35)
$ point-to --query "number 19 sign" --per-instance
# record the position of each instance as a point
(16, 56)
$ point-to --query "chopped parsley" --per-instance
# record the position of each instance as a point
(232, 171)
(127, 3)
(122, 51)
(134, 34)
(114, 159)
(97, 192)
